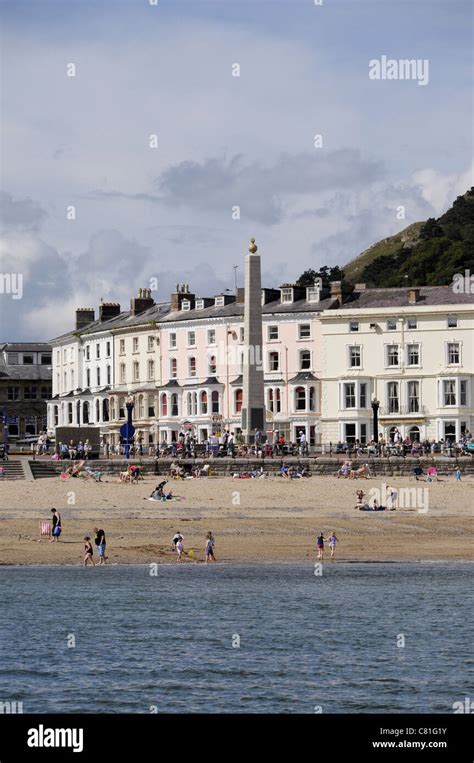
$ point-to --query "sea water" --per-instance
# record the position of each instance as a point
(358, 638)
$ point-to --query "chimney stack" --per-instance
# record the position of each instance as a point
(141, 303)
(413, 296)
(182, 292)
(340, 290)
(336, 291)
(108, 310)
(84, 316)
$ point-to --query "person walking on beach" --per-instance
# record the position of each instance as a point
(210, 543)
(332, 540)
(320, 546)
(177, 537)
(457, 474)
(57, 527)
(179, 549)
(100, 542)
(88, 552)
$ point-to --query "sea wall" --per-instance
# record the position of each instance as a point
(389, 467)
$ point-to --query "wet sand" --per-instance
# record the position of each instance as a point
(252, 520)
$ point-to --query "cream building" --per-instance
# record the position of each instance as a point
(412, 349)
(326, 355)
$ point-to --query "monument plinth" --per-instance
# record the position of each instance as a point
(253, 404)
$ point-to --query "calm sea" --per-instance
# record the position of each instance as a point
(170, 642)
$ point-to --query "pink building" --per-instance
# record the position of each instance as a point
(203, 352)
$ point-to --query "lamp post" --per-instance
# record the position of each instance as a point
(129, 428)
(375, 409)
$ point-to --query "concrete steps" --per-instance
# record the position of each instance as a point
(12, 470)
(42, 469)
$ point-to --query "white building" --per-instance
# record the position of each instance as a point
(326, 356)
(412, 349)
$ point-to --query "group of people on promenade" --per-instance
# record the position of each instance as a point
(398, 445)
(74, 451)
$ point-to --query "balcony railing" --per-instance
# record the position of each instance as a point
(403, 410)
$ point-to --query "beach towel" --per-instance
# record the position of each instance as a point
(166, 500)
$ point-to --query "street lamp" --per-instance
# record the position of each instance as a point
(375, 409)
(128, 429)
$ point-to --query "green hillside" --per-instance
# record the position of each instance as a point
(424, 254)
(385, 248)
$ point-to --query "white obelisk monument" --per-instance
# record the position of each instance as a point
(253, 404)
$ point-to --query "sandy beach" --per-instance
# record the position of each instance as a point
(252, 520)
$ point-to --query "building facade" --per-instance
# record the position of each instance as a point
(326, 354)
(25, 387)
(412, 350)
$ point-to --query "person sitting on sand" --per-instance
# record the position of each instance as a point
(284, 471)
(158, 493)
(96, 475)
(74, 471)
(345, 470)
(176, 471)
(418, 472)
(134, 472)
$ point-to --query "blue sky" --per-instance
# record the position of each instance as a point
(223, 141)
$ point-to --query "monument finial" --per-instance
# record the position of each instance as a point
(252, 246)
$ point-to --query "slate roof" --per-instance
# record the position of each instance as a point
(236, 309)
(25, 346)
(303, 376)
(362, 299)
(20, 372)
(398, 297)
(123, 320)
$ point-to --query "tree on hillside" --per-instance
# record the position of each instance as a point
(326, 274)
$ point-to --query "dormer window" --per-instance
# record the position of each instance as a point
(220, 301)
(312, 294)
(287, 294)
(199, 304)
(185, 305)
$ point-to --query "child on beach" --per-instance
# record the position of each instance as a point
(332, 540)
(179, 550)
(88, 551)
(457, 474)
(210, 548)
(320, 546)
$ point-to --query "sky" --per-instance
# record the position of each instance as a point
(234, 156)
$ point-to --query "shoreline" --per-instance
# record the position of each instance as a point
(253, 521)
(234, 563)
